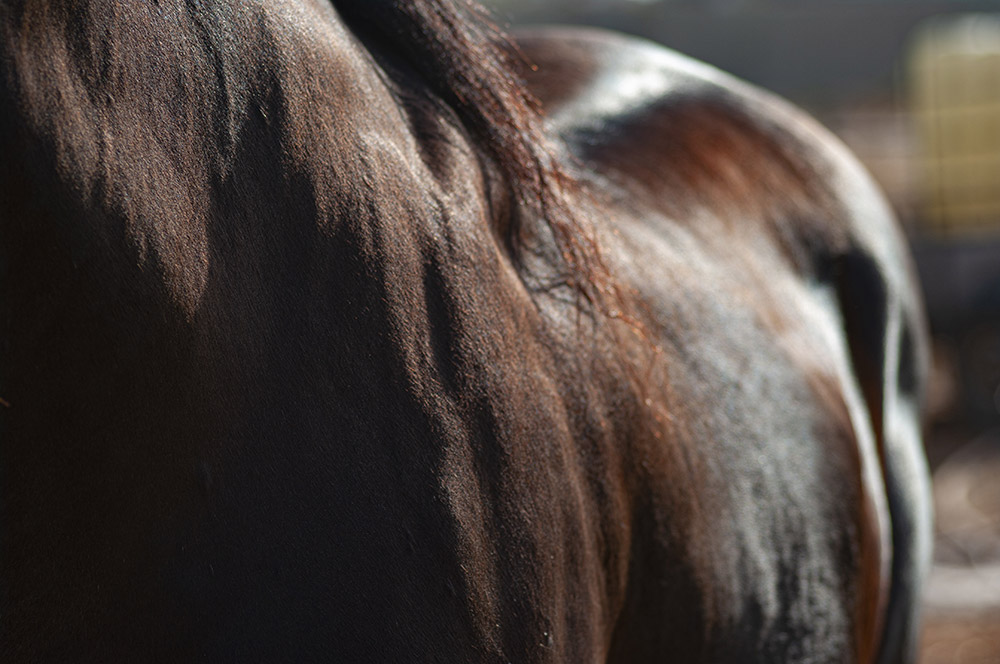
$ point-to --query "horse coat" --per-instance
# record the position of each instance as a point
(323, 340)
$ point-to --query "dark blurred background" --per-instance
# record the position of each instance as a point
(913, 87)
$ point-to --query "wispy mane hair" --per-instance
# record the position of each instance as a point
(470, 63)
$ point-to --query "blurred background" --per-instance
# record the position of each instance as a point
(913, 87)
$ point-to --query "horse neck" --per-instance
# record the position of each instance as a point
(144, 118)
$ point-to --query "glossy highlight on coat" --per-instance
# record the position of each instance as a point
(360, 331)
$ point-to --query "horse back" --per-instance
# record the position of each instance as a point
(277, 387)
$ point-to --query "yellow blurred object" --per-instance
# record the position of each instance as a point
(954, 81)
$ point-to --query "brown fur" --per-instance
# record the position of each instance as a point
(318, 341)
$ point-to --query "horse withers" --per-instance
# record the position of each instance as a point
(337, 332)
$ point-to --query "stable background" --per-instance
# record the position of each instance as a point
(913, 87)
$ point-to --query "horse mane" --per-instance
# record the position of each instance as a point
(474, 66)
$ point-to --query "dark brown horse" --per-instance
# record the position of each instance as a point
(327, 336)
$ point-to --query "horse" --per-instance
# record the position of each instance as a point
(362, 331)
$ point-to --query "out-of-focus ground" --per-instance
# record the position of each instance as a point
(961, 638)
(962, 599)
